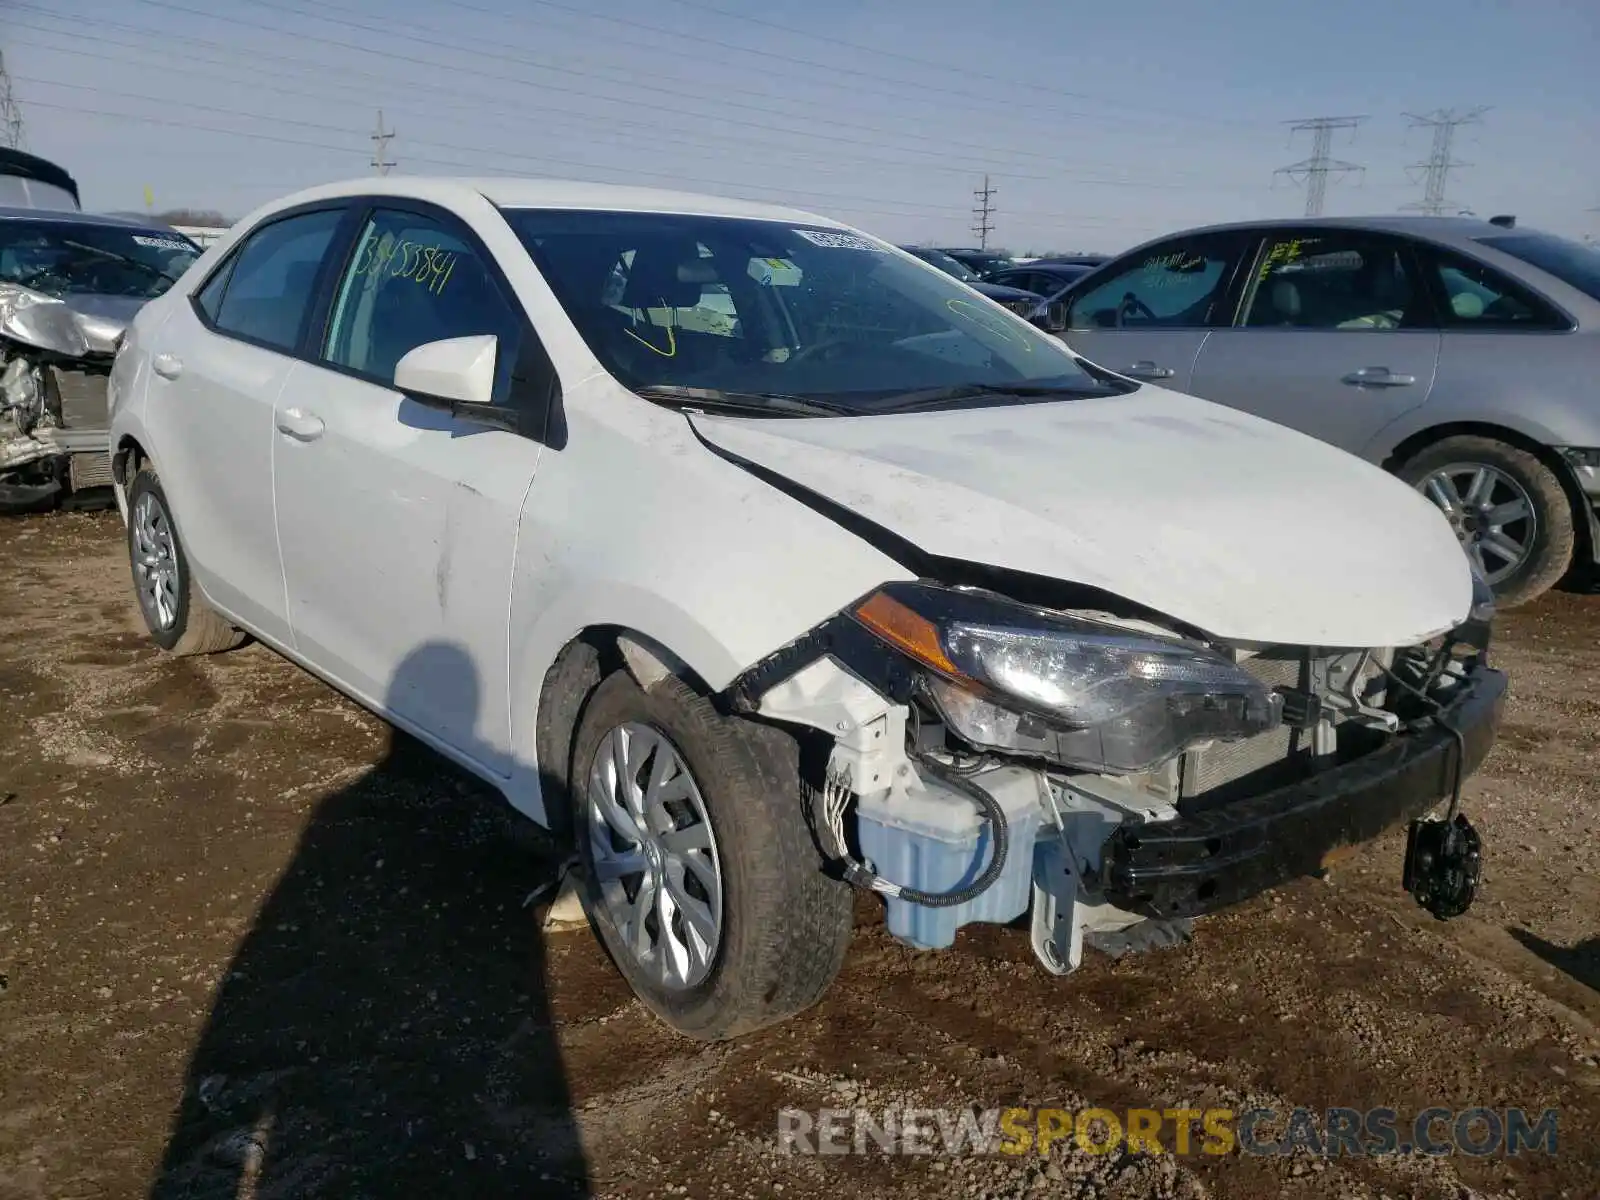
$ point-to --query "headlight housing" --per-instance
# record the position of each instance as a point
(1078, 692)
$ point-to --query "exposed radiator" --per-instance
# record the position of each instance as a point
(1221, 763)
(83, 398)
(90, 470)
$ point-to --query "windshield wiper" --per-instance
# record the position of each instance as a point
(759, 403)
(150, 268)
(933, 397)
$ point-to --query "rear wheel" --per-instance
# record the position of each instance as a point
(177, 617)
(1508, 509)
(700, 874)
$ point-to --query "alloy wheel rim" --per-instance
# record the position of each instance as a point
(155, 562)
(1491, 513)
(654, 856)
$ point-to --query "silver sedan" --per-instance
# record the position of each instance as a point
(1461, 354)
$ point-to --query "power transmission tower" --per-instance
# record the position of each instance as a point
(1444, 122)
(380, 142)
(1316, 169)
(10, 111)
(982, 225)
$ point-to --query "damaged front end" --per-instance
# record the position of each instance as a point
(1116, 777)
(54, 364)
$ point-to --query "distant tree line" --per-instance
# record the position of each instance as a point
(191, 216)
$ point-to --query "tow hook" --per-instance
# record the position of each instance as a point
(1443, 864)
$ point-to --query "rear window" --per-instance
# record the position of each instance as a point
(1573, 263)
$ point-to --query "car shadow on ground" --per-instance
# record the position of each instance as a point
(383, 1029)
(1582, 961)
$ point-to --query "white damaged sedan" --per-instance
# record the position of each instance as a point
(766, 562)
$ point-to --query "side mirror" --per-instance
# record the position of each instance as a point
(1052, 317)
(456, 375)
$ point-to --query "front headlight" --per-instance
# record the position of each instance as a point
(1078, 692)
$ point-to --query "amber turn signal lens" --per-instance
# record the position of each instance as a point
(906, 629)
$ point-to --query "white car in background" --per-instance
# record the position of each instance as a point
(872, 585)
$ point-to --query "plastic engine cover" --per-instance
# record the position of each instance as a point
(937, 841)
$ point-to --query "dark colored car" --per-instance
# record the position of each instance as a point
(1043, 277)
(980, 262)
(1074, 260)
(28, 181)
(1018, 300)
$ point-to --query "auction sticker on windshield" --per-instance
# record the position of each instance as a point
(775, 272)
(839, 241)
(161, 243)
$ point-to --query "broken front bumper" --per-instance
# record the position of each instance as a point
(1204, 861)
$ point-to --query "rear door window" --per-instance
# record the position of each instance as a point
(1474, 295)
(1334, 280)
(272, 278)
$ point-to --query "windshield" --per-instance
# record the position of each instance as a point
(1574, 264)
(950, 266)
(71, 258)
(756, 308)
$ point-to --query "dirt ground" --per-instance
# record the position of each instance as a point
(253, 945)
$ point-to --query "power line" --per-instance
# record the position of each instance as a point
(10, 111)
(676, 93)
(856, 204)
(452, 96)
(953, 68)
(380, 143)
(630, 173)
(1436, 171)
(982, 226)
(1314, 171)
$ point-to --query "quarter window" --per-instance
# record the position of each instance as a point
(272, 278)
(412, 280)
(1174, 285)
(1477, 296)
(209, 297)
(1332, 281)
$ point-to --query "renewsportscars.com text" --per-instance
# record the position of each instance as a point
(1477, 1131)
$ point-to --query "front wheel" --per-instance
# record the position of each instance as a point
(700, 874)
(1508, 509)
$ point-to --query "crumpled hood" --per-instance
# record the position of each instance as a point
(1235, 525)
(103, 319)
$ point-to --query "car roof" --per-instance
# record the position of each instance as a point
(513, 192)
(1439, 229)
(69, 216)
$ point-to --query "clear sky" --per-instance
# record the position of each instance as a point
(1099, 124)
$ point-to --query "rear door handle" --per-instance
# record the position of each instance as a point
(1145, 369)
(168, 366)
(300, 425)
(1378, 377)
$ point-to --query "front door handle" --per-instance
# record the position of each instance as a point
(1145, 369)
(300, 425)
(1378, 377)
(168, 366)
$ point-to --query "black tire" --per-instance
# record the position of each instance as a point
(196, 628)
(1554, 535)
(785, 924)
